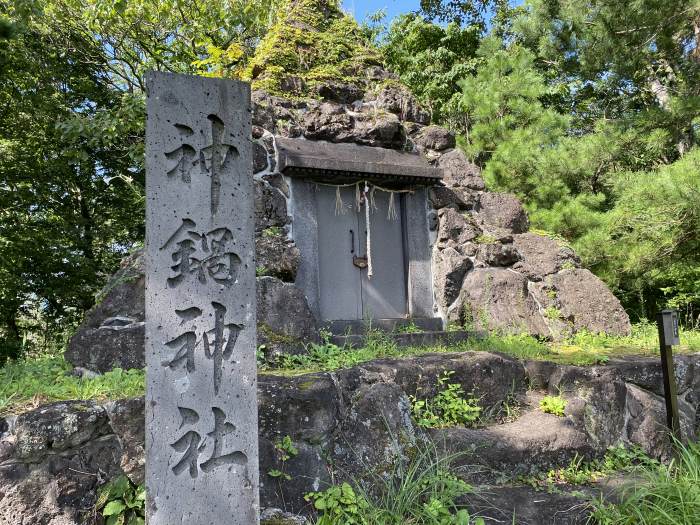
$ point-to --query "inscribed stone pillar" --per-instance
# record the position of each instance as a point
(201, 409)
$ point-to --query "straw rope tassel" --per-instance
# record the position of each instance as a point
(391, 212)
(369, 233)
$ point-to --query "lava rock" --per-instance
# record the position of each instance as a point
(503, 210)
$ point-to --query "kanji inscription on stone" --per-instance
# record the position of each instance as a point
(201, 402)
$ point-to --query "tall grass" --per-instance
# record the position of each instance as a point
(660, 495)
(420, 489)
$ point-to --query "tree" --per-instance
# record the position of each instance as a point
(431, 60)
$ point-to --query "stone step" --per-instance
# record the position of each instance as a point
(532, 443)
(362, 326)
(402, 339)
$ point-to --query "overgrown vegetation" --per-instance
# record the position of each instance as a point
(618, 459)
(421, 489)
(449, 407)
(28, 383)
(660, 495)
(34, 380)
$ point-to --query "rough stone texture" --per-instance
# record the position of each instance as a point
(345, 93)
(397, 99)
(495, 254)
(435, 138)
(285, 321)
(126, 421)
(503, 210)
(460, 198)
(112, 335)
(587, 303)
(201, 380)
(459, 172)
(270, 207)
(328, 122)
(276, 256)
(449, 267)
(494, 298)
(53, 458)
(455, 229)
(498, 504)
(51, 461)
(542, 256)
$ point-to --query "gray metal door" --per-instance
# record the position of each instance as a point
(346, 293)
(384, 295)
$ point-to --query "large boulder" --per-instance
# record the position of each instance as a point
(285, 321)
(328, 122)
(498, 299)
(435, 138)
(455, 229)
(449, 269)
(587, 303)
(276, 256)
(113, 333)
(270, 207)
(397, 99)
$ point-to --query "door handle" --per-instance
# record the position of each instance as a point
(352, 241)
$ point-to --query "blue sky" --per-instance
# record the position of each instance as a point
(361, 8)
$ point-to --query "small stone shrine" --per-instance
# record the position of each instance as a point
(201, 415)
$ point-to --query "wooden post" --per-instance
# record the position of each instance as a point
(667, 323)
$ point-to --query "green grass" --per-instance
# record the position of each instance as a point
(420, 488)
(660, 495)
(43, 379)
(28, 383)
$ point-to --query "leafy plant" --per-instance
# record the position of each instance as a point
(338, 504)
(553, 405)
(448, 408)
(121, 502)
(285, 450)
(420, 488)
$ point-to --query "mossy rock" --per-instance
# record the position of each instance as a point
(312, 42)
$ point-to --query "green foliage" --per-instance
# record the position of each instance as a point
(589, 111)
(30, 382)
(121, 502)
(431, 59)
(661, 494)
(421, 489)
(338, 504)
(284, 450)
(553, 405)
(579, 472)
(449, 408)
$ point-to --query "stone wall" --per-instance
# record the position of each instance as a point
(53, 458)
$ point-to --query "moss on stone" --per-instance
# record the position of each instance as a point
(314, 42)
(275, 337)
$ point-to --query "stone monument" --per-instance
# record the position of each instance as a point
(201, 409)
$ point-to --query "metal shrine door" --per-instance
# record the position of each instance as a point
(346, 292)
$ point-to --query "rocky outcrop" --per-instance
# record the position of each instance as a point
(53, 458)
(285, 321)
(113, 333)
